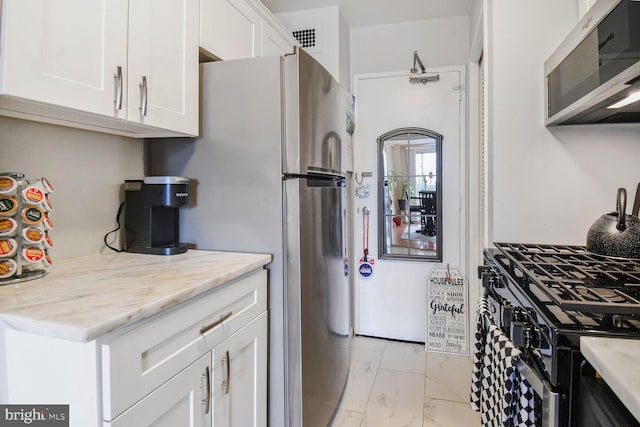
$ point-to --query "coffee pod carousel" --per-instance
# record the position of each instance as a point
(25, 225)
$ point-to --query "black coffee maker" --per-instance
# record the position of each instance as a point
(152, 214)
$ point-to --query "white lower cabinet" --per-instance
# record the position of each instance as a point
(240, 377)
(225, 331)
(167, 370)
(184, 400)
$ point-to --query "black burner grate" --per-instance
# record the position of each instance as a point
(576, 279)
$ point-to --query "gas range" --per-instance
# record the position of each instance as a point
(576, 289)
(545, 297)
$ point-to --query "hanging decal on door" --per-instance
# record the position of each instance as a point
(447, 325)
(365, 269)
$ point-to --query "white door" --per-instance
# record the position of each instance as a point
(163, 56)
(65, 52)
(391, 302)
(182, 401)
(240, 377)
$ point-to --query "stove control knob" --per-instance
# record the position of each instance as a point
(517, 315)
(524, 335)
(519, 334)
(490, 278)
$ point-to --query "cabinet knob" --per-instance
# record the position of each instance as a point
(143, 96)
(215, 323)
(226, 370)
(119, 84)
(207, 401)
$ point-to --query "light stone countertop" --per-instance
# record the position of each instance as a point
(83, 298)
(618, 362)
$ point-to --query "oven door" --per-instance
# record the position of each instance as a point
(598, 406)
(548, 403)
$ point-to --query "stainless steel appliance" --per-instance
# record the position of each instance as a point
(152, 214)
(594, 75)
(545, 297)
(270, 179)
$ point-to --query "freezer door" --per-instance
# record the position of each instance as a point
(318, 300)
(315, 117)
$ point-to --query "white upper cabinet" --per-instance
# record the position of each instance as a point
(234, 29)
(230, 29)
(273, 42)
(81, 63)
(65, 53)
(163, 64)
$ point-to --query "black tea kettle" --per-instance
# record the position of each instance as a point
(616, 234)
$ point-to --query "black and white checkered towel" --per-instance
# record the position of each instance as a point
(498, 390)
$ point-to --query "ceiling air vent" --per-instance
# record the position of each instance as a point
(306, 38)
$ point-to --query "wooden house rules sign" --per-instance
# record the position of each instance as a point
(447, 312)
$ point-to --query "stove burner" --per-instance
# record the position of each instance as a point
(600, 294)
(576, 279)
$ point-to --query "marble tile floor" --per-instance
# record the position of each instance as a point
(396, 384)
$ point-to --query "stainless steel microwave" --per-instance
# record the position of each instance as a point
(594, 75)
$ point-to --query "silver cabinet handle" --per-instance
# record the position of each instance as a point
(143, 96)
(207, 401)
(118, 77)
(212, 325)
(226, 369)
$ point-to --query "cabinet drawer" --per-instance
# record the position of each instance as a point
(135, 364)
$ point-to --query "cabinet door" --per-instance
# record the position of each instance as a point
(163, 64)
(273, 43)
(65, 52)
(181, 401)
(230, 29)
(240, 377)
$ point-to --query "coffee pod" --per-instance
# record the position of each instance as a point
(46, 203)
(8, 268)
(8, 186)
(32, 215)
(8, 206)
(33, 195)
(32, 254)
(8, 227)
(48, 243)
(46, 185)
(33, 235)
(48, 225)
(46, 261)
(8, 247)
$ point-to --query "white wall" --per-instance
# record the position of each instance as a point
(439, 42)
(344, 52)
(332, 38)
(85, 169)
(549, 184)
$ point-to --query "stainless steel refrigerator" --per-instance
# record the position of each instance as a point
(270, 178)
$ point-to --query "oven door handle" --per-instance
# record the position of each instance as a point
(550, 399)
